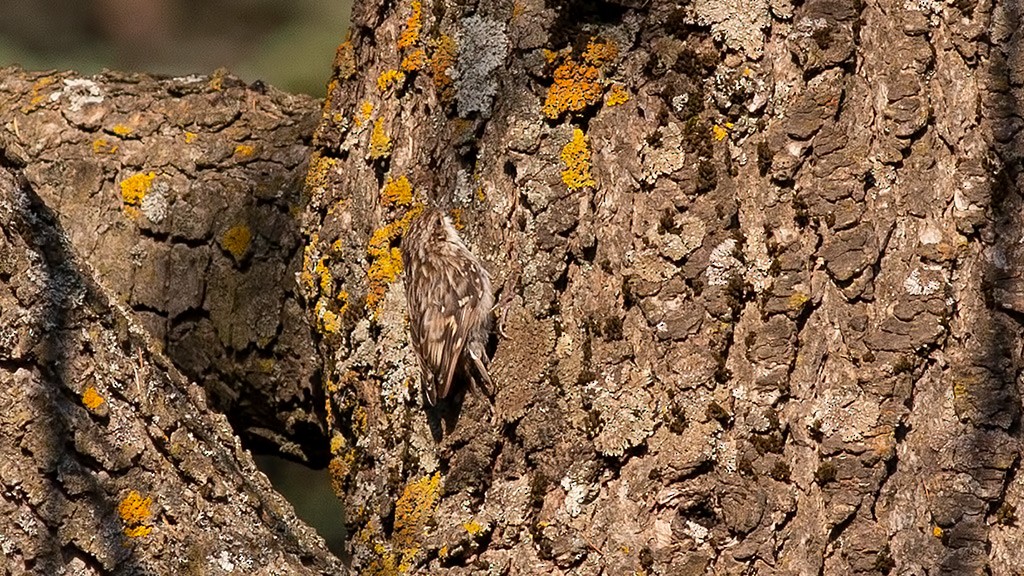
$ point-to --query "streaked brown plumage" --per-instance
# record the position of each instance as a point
(450, 299)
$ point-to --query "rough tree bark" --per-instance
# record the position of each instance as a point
(759, 265)
(110, 461)
(760, 270)
(182, 196)
(124, 203)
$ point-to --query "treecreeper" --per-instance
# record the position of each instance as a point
(450, 300)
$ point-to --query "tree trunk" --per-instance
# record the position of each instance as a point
(758, 269)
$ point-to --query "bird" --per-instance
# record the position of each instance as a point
(450, 300)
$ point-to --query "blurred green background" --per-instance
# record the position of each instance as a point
(286, 43)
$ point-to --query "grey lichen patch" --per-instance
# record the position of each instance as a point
(396, 363)
(483, 45)
(665, 158)
(723, 264)
(627, 418)
(79, 93)
(154, 204)
(739, 24)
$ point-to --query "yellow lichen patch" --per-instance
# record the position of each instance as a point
(324, 273)
(102, 146)
(386, 260)
(473, 527)
(414, 509)
(121, 130)
(600, 53)
(797, 300)
(386, 565)
(216, 82)
(327, 321)
(937, 531)
(414, 60)
(244, 150)
(441, 62)
(236, 240)
(337, 443)
(265, 365)
(135, 512)
(396, 192)
(413, 26)
(389, 78)
(339, 469)
(135, 187)
(576, 86)
(380, 142)
(719, 132)
(617, 95)
(91, 398)
(190, 137)
(345, 60)
(383, 271)
(363, 115)
(316, 177)
(332, 87)
(576, 157)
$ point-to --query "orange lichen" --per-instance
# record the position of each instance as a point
(600, 53)
(102, 146)
(617, 95)
(396, 192)
(576, 157)
(345, 60)
(135, 187)
(441, 62)
(37, 98)
(190, 137)
(244, 150)
(389, 78)
(576, 86)
(414, 509)
(413, 26)
(414, 60)
(135, 512)
(91, 398)
(380, 142)
(386, 260)
(236, 240)
(121, 130)
(363, 115)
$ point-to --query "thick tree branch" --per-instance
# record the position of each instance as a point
(183, 195)
(110, 461)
